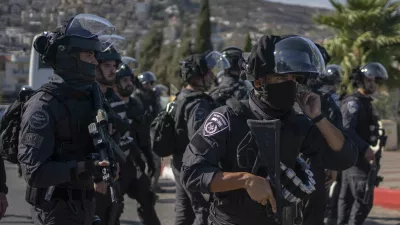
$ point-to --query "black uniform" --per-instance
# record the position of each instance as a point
(190, 207)
(150, 103)
(3, 177)
(230, 87)
(360, 120)
(105, 208)
(224, 143)
(315, 206)
(133, 181)
(53, 138)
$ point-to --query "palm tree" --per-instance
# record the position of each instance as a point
(366, 30)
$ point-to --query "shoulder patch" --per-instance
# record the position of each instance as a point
(214, 124)
(352, 106)
(33, 140)
(200, 114)
(39, 119)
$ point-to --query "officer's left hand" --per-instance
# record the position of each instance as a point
(332, 175)
(3, 204)
(310, 103)
(101, 187)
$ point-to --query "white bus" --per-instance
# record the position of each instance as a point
(39, 73)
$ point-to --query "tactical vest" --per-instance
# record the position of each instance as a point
(72, 140)
(119, 106)
(181, 117)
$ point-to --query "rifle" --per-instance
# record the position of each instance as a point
(267, 136)
(104, 144)
(373, 179)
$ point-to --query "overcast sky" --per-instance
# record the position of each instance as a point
(320, 3)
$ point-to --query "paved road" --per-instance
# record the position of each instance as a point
(18, 212)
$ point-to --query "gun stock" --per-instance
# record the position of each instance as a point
(373, 178)
(267, 136)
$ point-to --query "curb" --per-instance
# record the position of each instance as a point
(383, 197)
(387, 198)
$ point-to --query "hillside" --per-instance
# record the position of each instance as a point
(232, 19)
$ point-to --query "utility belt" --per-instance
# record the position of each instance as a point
(36, 196)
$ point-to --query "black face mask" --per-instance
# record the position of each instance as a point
(281, 95)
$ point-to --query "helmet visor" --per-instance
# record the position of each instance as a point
(118, 42)
(131, 62)
(216, 61)
(246, 55)
(298, 55)
(375, 70)
(89, 26)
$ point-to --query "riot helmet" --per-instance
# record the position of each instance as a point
(62, 49)
(233, 55)
(367, 76)
(25, 92)
(124, 87)
(329, 81)
(106, 73)
(131, 62)
(293, 55)
(284, 58)
(147, 80)
(374, 70)
(333, 75)
(160, 89)
(202, 66)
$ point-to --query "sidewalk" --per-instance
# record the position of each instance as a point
(387, 195)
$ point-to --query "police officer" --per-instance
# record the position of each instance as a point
(192, 208)
(134, 182)
(221, 154)
(330, 102)
(108, 63)
(325, 85)
(360, 120)
(229, 83)
(54, 141)
(23, 96)
(3, 189)
(146, 94)
(160, 92)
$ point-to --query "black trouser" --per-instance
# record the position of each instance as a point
(190, 208)
(67, 207)
(351, 209)
(106, 210)
(139, 188)
(313, 213)
(333, 199)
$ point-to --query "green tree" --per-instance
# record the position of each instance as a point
(184, 50)
(366, 31)
(203, 32)
(248, 46)
(160, 66)
(150, 48)
(131, 51)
